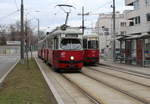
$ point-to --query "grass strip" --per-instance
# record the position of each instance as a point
(25, 85)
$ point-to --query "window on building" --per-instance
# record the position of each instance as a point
(131, 23)
(136, 4)
(137, 20)
(122, 32)
(147, 2)
(148, 16)
(123, 24)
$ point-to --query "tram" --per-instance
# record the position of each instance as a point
(41, 47)
(91, 49)
(63, 49)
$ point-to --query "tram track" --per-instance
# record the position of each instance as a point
(83, 92)
(115, 86)
(90, 89)
(67, 93)
(105, 87)
(123, 70)
(123, 77)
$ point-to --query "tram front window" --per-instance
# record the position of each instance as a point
(71, 44)
(93, 44)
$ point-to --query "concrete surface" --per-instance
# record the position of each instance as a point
(144, 70)
(6, 62)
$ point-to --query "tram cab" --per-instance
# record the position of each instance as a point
(65, 49)
(41, 46)
(91, 49)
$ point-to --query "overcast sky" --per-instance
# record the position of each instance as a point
(50, 15)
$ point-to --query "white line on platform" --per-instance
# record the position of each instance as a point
(10, 69)
(56, 95)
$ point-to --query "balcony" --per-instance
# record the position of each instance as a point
(138, 12)
(132, 14)
(129, 2)
(140, 28)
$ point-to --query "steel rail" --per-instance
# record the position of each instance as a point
(135, 73)
(93, 100)
(120, 90)
(144, 85)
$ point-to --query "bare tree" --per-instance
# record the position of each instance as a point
(14, 32)
(3, 35)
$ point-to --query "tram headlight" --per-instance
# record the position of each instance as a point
(72, 58)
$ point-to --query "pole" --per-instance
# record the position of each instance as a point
(83, 20)
(22, 31)
(114, 31)
(67, 18)
(27, 42)
(38, 28)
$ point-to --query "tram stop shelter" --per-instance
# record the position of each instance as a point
(135, 49)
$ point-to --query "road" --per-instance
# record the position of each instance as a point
(6, 62)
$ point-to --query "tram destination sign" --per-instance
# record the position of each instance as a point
(71, 35)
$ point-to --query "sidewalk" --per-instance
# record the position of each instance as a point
(138, 69)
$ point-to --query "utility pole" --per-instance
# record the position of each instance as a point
(27, 41)
(83, 20)
(22, 32)
(38, 28)
(83, 14)
(114, 31)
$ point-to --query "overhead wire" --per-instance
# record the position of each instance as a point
(102, 6)
(105, 4)
(12, 13)
(16, 4)
(8, 15)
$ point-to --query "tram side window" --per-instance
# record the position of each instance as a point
(85, 43)
(93, 44)
(56, 43)
(50, 43)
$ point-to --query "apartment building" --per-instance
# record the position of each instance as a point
(137, 48)
(104, 27)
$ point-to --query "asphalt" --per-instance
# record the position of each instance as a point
(6, 62)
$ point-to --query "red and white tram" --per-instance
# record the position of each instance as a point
(91, 49)
(41, 47)
(63, 48)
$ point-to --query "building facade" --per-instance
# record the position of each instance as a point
(104, 27)
(137, 44)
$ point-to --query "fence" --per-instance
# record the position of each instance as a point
(9, 50)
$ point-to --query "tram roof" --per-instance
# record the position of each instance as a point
(90, 35)
(67, 30)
